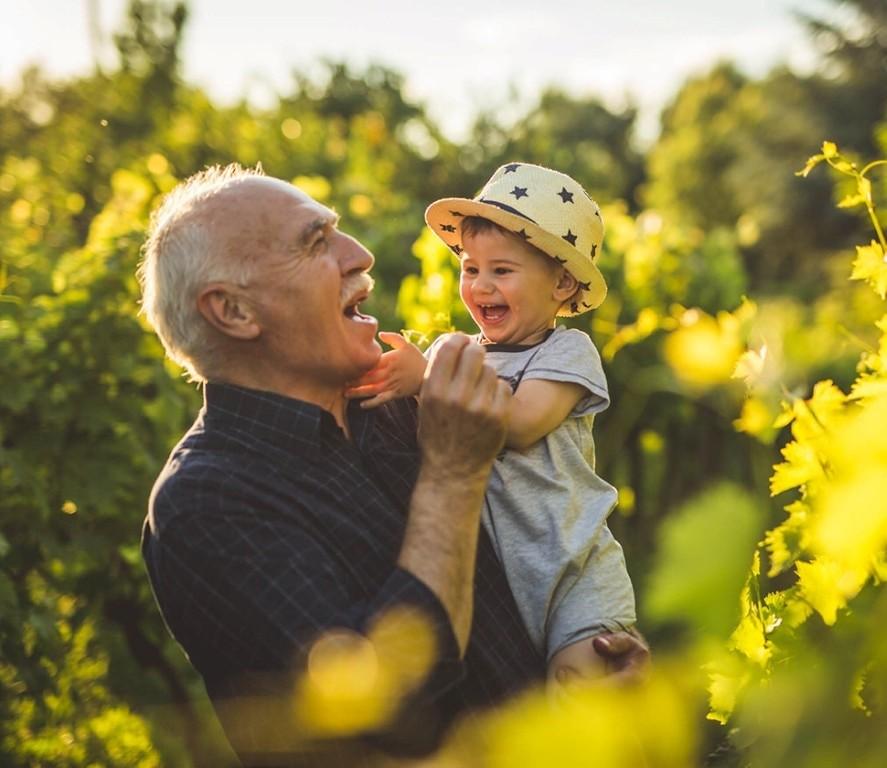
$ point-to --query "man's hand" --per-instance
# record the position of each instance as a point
(463, 411)
(399, 373)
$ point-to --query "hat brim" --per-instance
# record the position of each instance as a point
(444, 218)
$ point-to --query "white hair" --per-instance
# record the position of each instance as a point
(180, 256)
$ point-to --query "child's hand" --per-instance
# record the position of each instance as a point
(573, 664)
(611, 658)
(399, 373)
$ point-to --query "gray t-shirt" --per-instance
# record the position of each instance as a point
(546, 509)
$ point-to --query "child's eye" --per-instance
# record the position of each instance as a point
(469, 270)
(502, 270)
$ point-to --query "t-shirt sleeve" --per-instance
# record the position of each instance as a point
(570, 355)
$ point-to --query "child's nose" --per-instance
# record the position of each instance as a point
(483, 284)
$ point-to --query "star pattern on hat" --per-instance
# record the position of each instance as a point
(496, 188)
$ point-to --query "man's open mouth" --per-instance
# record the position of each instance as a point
(352, 309)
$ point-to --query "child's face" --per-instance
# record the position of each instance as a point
(510, 290)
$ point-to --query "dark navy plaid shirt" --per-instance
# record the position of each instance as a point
(268, 526)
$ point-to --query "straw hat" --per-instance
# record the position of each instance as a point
(546, 208)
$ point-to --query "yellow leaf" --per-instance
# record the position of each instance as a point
(818, 584)
(801, 466)
(756, 418)
(871, 265)
(785, 417)
(786, 542)
(851, 525)
(750, 365)
(727, 677)
(868, 387)
(851, 200)
(827, 401)
(811, 164)
(750, 637)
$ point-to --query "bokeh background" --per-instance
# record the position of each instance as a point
(729, 300)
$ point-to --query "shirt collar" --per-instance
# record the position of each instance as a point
(493, 347)
(282, 421)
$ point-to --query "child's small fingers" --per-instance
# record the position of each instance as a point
(382, 397)
(364, 390)
(394, 340)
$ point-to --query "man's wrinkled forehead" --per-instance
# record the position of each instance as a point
(271, 204)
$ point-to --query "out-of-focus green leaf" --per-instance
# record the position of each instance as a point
(702, 560)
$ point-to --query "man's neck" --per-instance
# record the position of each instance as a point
(328, 398)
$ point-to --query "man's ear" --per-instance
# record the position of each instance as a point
(566, 286)
(227, 310)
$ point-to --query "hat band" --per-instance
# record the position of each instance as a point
(507, 208)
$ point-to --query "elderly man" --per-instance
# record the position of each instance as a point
(285, 513)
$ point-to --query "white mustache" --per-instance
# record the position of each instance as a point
(354, 285)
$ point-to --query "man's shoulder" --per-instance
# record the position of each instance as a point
(190, 472)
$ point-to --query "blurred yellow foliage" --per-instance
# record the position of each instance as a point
(703, 351)
(591, 725)
(354, 683)
(317, 187)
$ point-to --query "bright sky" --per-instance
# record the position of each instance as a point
(457, 56)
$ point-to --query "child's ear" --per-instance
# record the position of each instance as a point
(566, 286)
(227, 310)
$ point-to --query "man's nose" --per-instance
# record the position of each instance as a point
(355, 257)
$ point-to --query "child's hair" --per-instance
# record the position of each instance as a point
(478, 225)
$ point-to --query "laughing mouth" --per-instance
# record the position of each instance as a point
(352, 308)
(492, 313)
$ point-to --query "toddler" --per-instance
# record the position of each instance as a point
(527, 246)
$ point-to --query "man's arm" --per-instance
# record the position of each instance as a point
(463, 410)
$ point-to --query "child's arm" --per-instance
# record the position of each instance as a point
(538, 406)
(399, 373)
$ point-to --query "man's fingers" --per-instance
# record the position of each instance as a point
(444, 363)
(469, 373)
